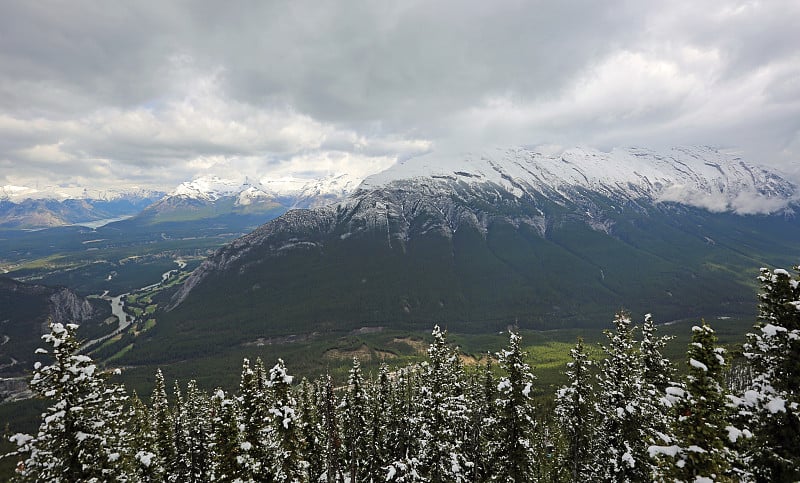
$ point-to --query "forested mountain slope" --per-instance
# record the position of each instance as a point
(520, 235)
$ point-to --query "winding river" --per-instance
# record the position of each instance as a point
(118, 306)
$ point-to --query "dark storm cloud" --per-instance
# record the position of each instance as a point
(178, 88)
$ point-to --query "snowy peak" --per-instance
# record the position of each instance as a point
(290, 191)
(27, 208)
(208, 188)
(310, 193)
(215, 197)
(251, 195)
(698, 176)
(17, 194)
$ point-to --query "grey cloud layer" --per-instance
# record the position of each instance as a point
(160, 91)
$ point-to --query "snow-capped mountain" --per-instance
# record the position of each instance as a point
(251, 195)
(24, 207)
(201, 198)
(533, 187)
(696, 176)
(291, 192)
(542, 237)
(304, 193)
(17, 194)
(210, 188)
(210, 197)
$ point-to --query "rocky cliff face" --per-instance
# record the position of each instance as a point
(68, 307)
(26, 310)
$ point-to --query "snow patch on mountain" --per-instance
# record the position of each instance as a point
(701, 177)
(292, 192)
(17, 194)
(208, 188)
(297, 192)
(251, 195)
(538, 189)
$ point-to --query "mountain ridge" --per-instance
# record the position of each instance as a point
(38, 213)
(204, 197)
(478, 250)
(697, 176)
(212, 197)
(299, 191)
(733, 185)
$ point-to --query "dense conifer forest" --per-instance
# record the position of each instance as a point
(630, 417)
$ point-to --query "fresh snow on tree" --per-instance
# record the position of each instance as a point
(515, 415)
(83, 435)
(770, 405)
(623, 417)
(621, 407)
(698, 444)
(574, 410)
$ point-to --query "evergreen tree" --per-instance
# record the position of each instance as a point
(443, 413)
(197, 431)
(145, 464)
(283, 440)
(379, 419)
(657, 370)
(622, 440)
(333, 442)
(253, 406)
(516, 459)
(701, 418)
(574, 410)
(433, 421)
(163, 429)
(771, 405)
(404, 427)
(482, 442)
(229, 448)
(657, 375)
(354, 425)
(312, 431)
(547, 466)
(180, 469)
(84, 433)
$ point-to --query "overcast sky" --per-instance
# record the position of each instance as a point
(153, 93)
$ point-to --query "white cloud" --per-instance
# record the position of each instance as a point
(640, 98)
(203, 131)
(151, 92)
(45, 154)
(744, 203)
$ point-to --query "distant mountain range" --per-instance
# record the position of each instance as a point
(47, 212)
(213, 197)
(544, 239)
(200, 199)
